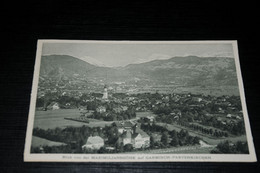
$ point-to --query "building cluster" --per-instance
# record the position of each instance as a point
(129, 133)
(132, 134)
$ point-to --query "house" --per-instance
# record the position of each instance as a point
(176, 117)
(196, 99)
(124, 126)
(150, 118)
(54, 106)
(125, 138)
(238, 117)
(101, 109)
(120, 109)
(117, 109)
(124, 108)
(140, 139)
(229, 116)
(135, 136)
(94, 142)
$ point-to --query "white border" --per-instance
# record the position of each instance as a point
(28, 157)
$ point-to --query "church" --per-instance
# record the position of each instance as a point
(105, 94)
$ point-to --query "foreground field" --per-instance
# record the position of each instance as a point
(37, 142)
(51, 119)
(55, 118)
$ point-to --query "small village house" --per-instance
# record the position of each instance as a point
(94, 142)
(124, 126)
(135, 136)
(53, 106)
(101, 109)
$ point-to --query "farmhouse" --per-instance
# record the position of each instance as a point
(120, 109)
(95, 142)
(135, 136)
(101, 109)
(140, 139)
(54, 106)
(124, 126)
(196, 99)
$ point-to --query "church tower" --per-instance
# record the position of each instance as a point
(105, 94)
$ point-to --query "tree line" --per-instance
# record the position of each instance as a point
(168, 138)
(228, 147)
(204, 130)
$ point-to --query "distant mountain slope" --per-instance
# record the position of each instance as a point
(63, 66)
(190, 70)
(182, 71)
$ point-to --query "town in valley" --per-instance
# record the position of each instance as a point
(158, 107)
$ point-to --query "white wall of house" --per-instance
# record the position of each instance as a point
(55, 106)
(138, 141)
(126, 141)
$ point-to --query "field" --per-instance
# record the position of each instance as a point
(51, 119)
(55, 118)
(37, 142)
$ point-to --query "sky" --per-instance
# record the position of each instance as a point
(117, 54)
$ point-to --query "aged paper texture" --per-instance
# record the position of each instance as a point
(138, 101)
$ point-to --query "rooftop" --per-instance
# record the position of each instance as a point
(95, 140)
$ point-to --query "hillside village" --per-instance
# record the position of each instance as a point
(156, 105)
(208, 116)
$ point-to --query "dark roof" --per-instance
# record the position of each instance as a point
(141, 132)
(126, 134)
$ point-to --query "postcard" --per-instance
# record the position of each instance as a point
(138, 101)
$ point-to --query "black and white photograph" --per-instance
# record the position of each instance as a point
(138, 101)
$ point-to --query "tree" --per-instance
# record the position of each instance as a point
(102, 150)
(175, 141)
(196, 140)
(152, 142)
(242, 147)
(40, 102)
(165, 138)
(128, 147)
(224, 147)
(119, 147)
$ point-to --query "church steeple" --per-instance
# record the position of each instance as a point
(105, 94)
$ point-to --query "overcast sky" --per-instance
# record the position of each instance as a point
(117, 54)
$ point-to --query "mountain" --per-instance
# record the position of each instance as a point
(63, 66)
(151, 58)
(92, 61)
(189, 71)
(66, 67)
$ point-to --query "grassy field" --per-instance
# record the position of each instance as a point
(51, 119)
(37, 142)
(55, 118)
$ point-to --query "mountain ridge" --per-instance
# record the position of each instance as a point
(183, 71)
